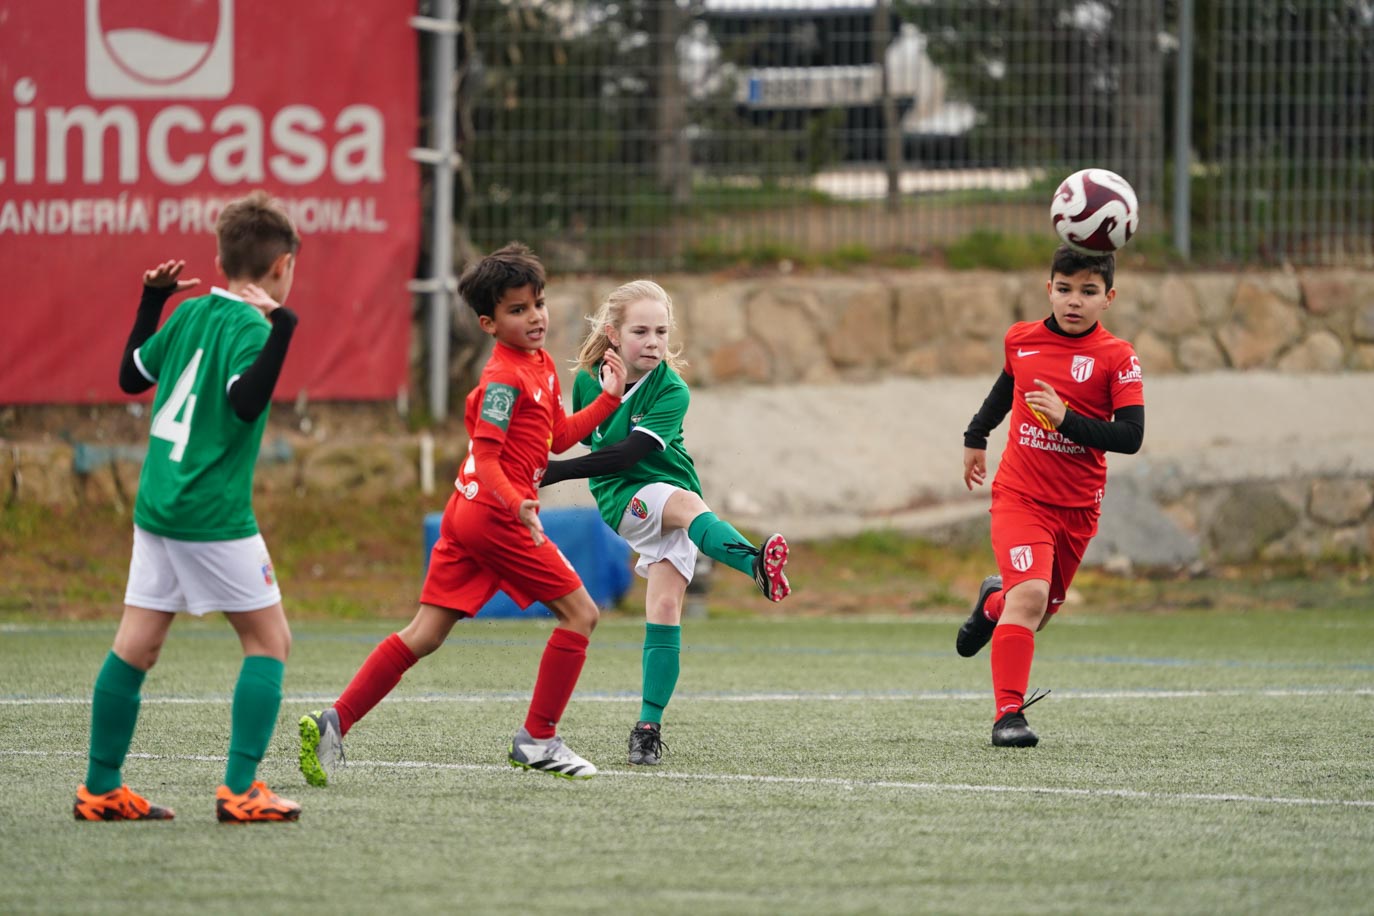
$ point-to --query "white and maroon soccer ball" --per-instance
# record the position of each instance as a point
(1095, 211)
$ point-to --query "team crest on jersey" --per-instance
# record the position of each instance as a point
(1082, 368)
(1022, 558)
(497, 404)
(639, 509)
(470, 490)
(634, 420)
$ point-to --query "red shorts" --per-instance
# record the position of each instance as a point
(1033, 540)
(479, 551)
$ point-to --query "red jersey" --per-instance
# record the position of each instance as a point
(517, 402)
(1094, 374)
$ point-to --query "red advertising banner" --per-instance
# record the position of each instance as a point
(125, 125)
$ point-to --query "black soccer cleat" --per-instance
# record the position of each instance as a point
(1012, 731)
(977, 630)
(646, 744)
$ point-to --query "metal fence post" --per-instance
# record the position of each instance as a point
(1183, 131)
(440, 285)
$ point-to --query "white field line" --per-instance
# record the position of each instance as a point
(772, 697)
(832, 782)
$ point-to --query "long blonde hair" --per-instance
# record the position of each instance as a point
(612, 312)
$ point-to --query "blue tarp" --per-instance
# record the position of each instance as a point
(600, 556)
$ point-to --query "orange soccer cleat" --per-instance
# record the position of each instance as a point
(122, 804)
(259, 803)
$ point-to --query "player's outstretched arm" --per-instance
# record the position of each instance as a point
(160, 283)
(612, 459)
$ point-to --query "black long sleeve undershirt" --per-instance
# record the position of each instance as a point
(995, 408)
(612, 459)
(1124, 433)
(131, 381)
(251, 392)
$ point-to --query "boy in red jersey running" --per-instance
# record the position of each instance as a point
(491, 536)
(1075, 392)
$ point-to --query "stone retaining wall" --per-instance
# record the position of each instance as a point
(783, 328)
(1148, 523)
(1201, 526)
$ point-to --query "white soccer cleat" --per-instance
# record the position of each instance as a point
(549, 755)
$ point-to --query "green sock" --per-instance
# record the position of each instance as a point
(257, 698)
(114, 712)
(662, 650)
(721, 542)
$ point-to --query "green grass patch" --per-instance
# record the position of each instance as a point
(996, 251)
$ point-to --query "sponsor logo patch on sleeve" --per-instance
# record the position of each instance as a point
(497, 404)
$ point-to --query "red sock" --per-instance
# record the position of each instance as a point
(558, 673)
(1013, 647)
(992, 608)
(375, 679)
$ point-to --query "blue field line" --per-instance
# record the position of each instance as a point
(1042, 655)
(720, 696)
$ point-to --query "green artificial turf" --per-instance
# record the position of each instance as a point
(1190, 762)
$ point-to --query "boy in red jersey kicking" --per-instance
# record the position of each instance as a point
(1075, 392)
(491, 536)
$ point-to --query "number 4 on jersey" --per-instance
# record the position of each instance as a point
(171, 422)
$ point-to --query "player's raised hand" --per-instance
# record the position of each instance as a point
(975, 467)
(529, 514)
(168, 274)
(257, 297)
(1047, 403)
(613, 373)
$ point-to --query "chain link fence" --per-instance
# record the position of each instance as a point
(1287, 144)
(649, 135)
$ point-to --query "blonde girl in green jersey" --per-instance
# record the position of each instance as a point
(646, 487)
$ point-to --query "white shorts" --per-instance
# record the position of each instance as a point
(200, 576)
(642, 526)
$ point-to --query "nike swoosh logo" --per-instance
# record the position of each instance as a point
(1056, 601)
(537, 395)
(1020, 352)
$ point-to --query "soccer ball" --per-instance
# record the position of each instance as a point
(1095, 211)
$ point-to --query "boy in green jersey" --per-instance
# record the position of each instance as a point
(647, 489)
(196, 542)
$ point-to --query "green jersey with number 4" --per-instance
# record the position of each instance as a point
(657, 405)
(197, 480)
